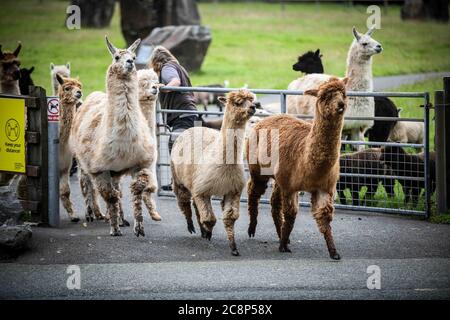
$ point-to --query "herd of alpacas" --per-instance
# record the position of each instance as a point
(113, 133)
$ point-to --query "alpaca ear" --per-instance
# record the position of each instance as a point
(134, 46)
(356, 34)
(399, 110)
(52, 66)
(31, 70)
(370, 31)
(222, 99)
(60, 79)
(17, 51)
(317, 53)
(345, 80)
(311, 92)
(1, 52)
(111, 48)
(68, 65)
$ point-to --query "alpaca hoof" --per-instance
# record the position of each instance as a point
(335, 256)
(75, 219)
(251, 231)
(100, 217)
(208, 235)
(115, 233)
(155, 216)
(203, 231)
(191, 228)
(89, 219)
(139, 230)
(235, 253)
(284, 249)
(124, 223)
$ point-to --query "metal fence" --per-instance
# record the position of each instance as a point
(394, 179)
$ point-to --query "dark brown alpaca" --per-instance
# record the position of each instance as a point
(10, 71)
(308, 160)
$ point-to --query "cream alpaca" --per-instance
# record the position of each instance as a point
(110, 138)
(69, 95)
(219, 173)
(407, 132)
(359, 73)
(62, 70)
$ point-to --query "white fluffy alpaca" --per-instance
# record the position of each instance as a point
(359, 72)
(63, 71)
(407, 132)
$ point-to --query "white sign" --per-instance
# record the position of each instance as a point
(52, 109)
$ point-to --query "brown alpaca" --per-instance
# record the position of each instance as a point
(308, 161)
(9, 84)
(219, 173)
(69, 93)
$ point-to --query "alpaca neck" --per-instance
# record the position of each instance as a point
(123, 105)
(359, 71)
(324, 141)
(149, 109)
(67, 110)
(232, 136)
(10, 87)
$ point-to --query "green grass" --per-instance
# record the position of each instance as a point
(252, 43)
(441, 218)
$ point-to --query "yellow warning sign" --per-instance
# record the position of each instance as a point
(12, 135)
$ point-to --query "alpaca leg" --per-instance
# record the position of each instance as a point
(64, 193)
(184, 203)
(111, 196)
(197, 213)
(275, 203)
(141, 181)
(207, 218)
(90, 197)
(148, 199)
(290, 208)
(230, 215)
(255, 189)
(322, 210)
(116, 184)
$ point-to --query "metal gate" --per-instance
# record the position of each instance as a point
(398, 185)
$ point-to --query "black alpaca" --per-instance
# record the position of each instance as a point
(25, 80)
(309, 62)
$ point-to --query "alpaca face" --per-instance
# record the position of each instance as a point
(365, 45)
(331, 98)
(148, 84)
(123, 59)
(309, 62)
(62, 70)
(240, 106)
(69, 90)
(10, 65)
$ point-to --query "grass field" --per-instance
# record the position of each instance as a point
(252, 43)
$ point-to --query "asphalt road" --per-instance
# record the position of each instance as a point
(169, 263)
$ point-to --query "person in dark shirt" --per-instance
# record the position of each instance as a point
(172, 74)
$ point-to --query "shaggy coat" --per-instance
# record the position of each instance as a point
(365, 162)
(408, 165)
(309, 62)
(111, 137)
(359, 72)
(69, 94)
(308, 161)
(206, 162)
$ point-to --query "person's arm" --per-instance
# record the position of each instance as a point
(169, 77)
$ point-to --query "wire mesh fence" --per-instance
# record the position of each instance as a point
(384, 176)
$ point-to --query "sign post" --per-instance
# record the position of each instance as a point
(53, 111)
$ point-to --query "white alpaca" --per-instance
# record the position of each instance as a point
(407, 132)
(110, 137)
(63, 71)
(359, 72)
(220, 172)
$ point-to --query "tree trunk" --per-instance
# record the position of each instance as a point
(425, 10)
(95, 13)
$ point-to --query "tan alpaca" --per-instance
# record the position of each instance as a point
(206, 162)
(69, 93)
(110, 138)
(308, 161)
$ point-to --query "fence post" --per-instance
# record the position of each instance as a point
(53, 161)
(447, 137)
(37, 156)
